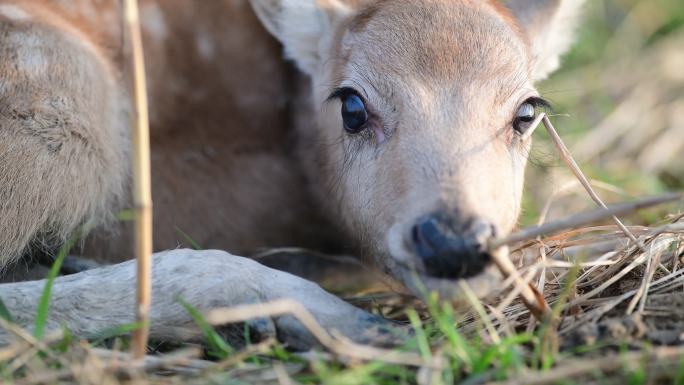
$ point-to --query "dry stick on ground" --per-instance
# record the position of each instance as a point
(142, 195)
(335, 344)
(40, 345)
(572, 165)
(584, 218)
(530, 296)
(119, 365)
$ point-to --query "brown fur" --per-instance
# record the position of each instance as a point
(246, 153)
(223, 171)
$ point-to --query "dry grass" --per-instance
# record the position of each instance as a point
(602, 288)
(601, 283)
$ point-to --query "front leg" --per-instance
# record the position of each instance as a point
(93, 301)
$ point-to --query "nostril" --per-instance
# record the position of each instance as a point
(426, 237)
(446, 253)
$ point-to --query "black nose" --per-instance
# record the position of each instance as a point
(451, 251)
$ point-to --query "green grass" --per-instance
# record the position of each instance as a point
(5, 313)
(218, 348)
(193, 244)
(468, 358)
(44, 303)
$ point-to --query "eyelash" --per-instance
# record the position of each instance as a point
(341, 92)
(539, 102)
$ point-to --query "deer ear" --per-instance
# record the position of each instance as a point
(550, 27)
(301, 26)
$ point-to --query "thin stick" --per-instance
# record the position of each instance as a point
(574, 167)
(583, 219)
(142, 195)
(337, 345)
(532, 299)
(40, 345)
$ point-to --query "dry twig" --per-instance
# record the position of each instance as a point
(336, 344)
(583, 219)
(142, 184)
(530, 296)
(574, 167)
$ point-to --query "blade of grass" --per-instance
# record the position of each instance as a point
(127, 215)
(479, 309)
(44, 302)
(219, 348)
(504, 352)
(421, 336)
(193, 244)
(5, 313)
(447, 324)
(679, 379)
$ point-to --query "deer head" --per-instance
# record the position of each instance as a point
(423, 112)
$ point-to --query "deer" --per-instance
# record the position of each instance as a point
(398, 129)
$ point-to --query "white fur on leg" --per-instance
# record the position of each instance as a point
(93, 301)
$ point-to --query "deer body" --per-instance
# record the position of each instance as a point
(224, 170)
(403, 129)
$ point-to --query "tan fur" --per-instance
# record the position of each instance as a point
(444, 78)
(63, 142)
(249, 154)
(223, 171)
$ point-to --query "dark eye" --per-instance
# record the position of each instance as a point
(524, 117)
(354, 113)
(527, 114)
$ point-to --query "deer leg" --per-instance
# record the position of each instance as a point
(100, 299)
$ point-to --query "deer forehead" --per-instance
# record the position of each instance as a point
(445, 44)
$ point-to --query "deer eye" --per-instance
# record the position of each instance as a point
(527, 114)
(354, 114)
(524, 117)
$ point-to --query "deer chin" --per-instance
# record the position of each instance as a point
(484, 285)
